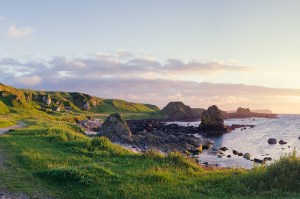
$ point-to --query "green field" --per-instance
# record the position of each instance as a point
(54, 158)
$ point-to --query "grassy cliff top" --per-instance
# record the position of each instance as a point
(11, 97)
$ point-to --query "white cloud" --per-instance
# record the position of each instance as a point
(18, 32)
(29, 80)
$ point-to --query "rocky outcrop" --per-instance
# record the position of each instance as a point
(116, 129)
(282, 142)
(247, 156)
(272, 141)
(147, 134)
(212, 121)
(180, 111)
(171, 141)
(247, 113)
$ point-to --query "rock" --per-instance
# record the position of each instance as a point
(223, 148)
(57, 109)
(240, 154)
(219, 156)
(235, 152)
(180, 111)
(282, 142)
(267, 159)
(247, 156)
(194, 151)
(229, 156)
(205, 147)
(116, 129)
(272, 141)
(212, 121)
(48, 100)
(259, 161)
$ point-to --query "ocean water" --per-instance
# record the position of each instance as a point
(254, 140)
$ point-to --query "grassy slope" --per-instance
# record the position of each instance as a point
(29, 99)
(55, 159)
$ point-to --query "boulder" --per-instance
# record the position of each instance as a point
(194, 151)
(223, 148)
(272, 141)
(267, 159)
(282, 142)
(240, 154)
(235, 152)
(116, 129)
(259, 161)
(228, 156)
(212, 121)
(247, 156)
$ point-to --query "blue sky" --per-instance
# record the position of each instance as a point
(165, 43)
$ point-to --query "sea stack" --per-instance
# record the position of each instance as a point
(116, 129)
(212, 121)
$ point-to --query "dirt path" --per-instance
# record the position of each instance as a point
(6, 129)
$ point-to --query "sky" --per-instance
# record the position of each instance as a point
(229, 53)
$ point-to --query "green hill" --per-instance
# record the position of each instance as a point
(65, 101)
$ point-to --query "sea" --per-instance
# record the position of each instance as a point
(254, 141)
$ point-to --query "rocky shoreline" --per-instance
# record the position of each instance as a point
(142, 135)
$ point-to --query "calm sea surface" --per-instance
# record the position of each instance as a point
(255, 140)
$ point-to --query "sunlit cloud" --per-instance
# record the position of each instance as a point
(125, 76)
(18, 32)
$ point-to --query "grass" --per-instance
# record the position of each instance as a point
(54, 158)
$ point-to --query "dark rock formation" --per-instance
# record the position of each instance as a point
(212, 122)
(180, 111)
(267, 159)
(223, 148)
(247, 113)
(282, 142)
(235, 152)
(116, 129)
(259, 161)
(147, 134)
(243, 111)
(171, 141)
(240, 126)
(247, 156)
(272, 141)
(240, 154)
